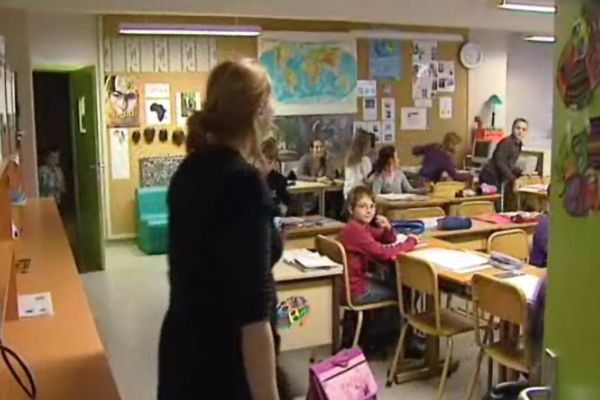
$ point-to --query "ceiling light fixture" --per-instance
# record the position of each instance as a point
(400, 35)
(540, 38)
(189, 30)
(536, 8)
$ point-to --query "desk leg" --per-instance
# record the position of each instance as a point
(322, 203)
(335, 314)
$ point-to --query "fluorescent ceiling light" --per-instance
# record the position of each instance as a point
(400, 35)
(189, 30)
(527, 7)
(540, 38)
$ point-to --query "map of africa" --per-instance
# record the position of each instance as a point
(311, 78)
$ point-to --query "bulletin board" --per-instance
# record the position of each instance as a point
(121, 193)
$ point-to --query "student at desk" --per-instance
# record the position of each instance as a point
(388, 177)
(268, 164)
(316, 166)
(437, 160)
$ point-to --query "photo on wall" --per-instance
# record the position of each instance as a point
(187, 103)
(121, 101)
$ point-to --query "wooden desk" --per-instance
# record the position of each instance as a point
(454, 283)
(302, 187)
(477, 236)
(539, 197)
(452, 206)
(320, 289)
(64, 350)
(298, 237)
(449, 205)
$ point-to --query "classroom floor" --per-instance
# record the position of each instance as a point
(131, 296)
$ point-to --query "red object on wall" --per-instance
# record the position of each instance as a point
(495, 135)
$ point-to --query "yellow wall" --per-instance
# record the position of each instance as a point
(121, 193)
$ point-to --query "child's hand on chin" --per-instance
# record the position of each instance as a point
(383, 222)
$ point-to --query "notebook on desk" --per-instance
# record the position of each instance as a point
(309, 260)
(461, 262)
(402, 197)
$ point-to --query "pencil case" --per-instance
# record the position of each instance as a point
(503, 261)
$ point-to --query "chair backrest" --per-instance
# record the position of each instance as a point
(514, 243)
(500, 299)
(416, 213)
(151, 200)
(448, 189)
(527, 180)
(420, 276)
(336, 252)
(475, 208)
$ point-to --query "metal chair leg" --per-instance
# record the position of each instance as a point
(342, 314)
(359, 323)
(475, 377)
(440, 394)
(397, 355)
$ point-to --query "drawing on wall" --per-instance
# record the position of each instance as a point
(158, 111)
(187, 103)
(311, 73)
(119, 153)
(578, 77)
(122, 101)
(296, 133)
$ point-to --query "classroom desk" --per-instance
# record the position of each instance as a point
(477, 236)
(303, 236)
(535, 194)
(302, 187)
(64, 350)
(453, 283)
(320, 290)
(449, 205)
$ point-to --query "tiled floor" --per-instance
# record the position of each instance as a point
(130, 298)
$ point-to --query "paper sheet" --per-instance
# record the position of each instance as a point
(445, 107)
(388, 131)
(388, 109)
(446, 76)
(527, 283)
(156, 90)
(424, 103)
(119, 153)
(413, 119)
(366, 88)
(423, 88)
(308, 259)
(187, 103)
(369, 108)
(158, 111)
(452, 260)
(35, 305)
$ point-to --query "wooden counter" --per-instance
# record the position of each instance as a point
(64, 350)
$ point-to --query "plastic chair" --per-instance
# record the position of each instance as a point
(416, 213)
(448, 189)
(335, 251)
(508, 303)
(514, 243)
(475, 208)
(421, 277)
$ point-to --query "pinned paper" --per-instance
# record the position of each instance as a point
(388, 131)
(119, 153)
(375, 128)
(446, 75)
(158, 111)
(428, 103)
(366, 88)
(35, 305)
(413, 119)
(388, 109)
(156, 90)
(445, 107)
(369, 109)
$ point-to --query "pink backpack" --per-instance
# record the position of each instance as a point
(344, 376)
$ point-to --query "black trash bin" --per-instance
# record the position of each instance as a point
(507, 391)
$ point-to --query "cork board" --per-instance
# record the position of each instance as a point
(122, 192)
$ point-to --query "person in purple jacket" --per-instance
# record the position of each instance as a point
(437, 159)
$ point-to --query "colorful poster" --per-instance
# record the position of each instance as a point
(385, 59)
(311, 73)
(187, 103)
(122, 101)
(119, 153)
(413, 119)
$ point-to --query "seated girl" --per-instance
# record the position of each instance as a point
(277, 183)
(358, 165)
(437, 160)
(367, 239)
(388, 177)
(315, 166)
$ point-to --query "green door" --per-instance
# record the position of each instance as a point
(87, 169)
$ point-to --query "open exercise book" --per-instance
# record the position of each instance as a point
(462, 262)
(309, 260)
(402, 197)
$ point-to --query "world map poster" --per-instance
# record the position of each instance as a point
(311, 73)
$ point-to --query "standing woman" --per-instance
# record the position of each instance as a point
(502, 167)
(358, 165)
(216, 340)
(437, 160)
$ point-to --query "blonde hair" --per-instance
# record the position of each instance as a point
(360, 144)
(236, 95)
(450, 141)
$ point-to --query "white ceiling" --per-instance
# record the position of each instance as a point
(477, 14)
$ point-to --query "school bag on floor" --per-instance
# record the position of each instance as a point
(344, 376)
